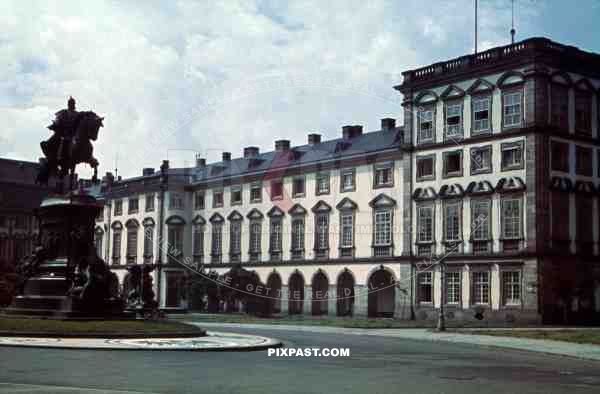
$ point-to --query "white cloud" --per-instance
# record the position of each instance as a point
(143, 66)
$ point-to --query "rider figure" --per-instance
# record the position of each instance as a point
(64, 127)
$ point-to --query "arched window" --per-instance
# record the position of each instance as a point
(98, 241)
(175, 226)
(235, 237)
(148, 240)
(198, 239)
(132, 240)
(117, 228)
(255, 218)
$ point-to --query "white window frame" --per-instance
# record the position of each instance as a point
(516, 221)
(426, 115)
(480, 287)
(383, 221)
(453, 287)
(511, 287)
(483, 125)
(512, 108)
(453, 109)
(431, 218)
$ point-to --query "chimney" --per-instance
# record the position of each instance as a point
(119, 178)
(388, 124)
(147, 171)
(200, 162)
(250, 152)
(226, 156)
(314, 139)
(282, 145)
(349, 132)
(108, 179)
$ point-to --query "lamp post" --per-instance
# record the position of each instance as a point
(164, 180)
(441, 323)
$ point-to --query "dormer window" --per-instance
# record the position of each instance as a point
(384, 175)
(453, 120)
(236, 195)
(481, 114)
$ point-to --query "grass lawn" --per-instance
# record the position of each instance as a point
(99, 327)
(317, 321)
(576, 336)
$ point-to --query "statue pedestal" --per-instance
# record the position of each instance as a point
(65, 277)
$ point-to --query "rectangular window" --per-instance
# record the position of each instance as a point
(176, 201)
(512, 156)
(583, 113)
(426, 125)
(384, 175)
(149, 202)
(217, 198)
(275, 239)
(481, 114)
(236, 195)
(511, 288)
(347, 179)
(383, 228)
(583, 160)
(116, 252)
(235, 240)
(481, 211)
(511, 218)
(132, 233)
(425, 223)
(347, 230)
(175, 240)
(298, 238)
(118, 207)
(559, 98)
(322, 183)
(453, 163)
(198, 241)
(453, 120)
(452, 288)
(199, 200)
(425, 289)
(560, 156)
(425, 167)
(481, 287)
(298, 186)
(511, 103)
(255, 235)
(132, 205)
(148, 243)
(256, 192)
(276, 190)
(481, 160)
(321, 235)
(452, 214)
(216, 242)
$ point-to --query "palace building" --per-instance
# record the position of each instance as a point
(485, 200)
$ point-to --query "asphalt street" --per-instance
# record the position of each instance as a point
(375, 365)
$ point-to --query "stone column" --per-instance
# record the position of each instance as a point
(360, 301)
(332, 301)
(285, 295)
(495, 287)
(307, 304)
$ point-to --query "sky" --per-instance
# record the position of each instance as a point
(178, 78)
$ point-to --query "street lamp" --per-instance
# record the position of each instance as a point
(441, 323)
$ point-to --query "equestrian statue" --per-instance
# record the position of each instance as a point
(70, 145)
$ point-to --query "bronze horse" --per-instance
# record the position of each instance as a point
(70, 145)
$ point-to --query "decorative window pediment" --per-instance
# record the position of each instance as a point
(511, 78)
(275, 212)
(148, 222)
(585, 187)
(254, 214)
(426, 97)
(479, 188)
(297, 209)
(175, 220)
(235, 215)
(561, 78)
(451, 191)
(424, 194)
(510, 184)
(216, 218)
(480, 86)
(561, 184)
(346, 204)
(321, 206)
(198, 220)
(382, 201)
(132, 223)
(116, 225)
(584, 85)
(452, 92)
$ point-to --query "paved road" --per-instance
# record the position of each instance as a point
(376, 365)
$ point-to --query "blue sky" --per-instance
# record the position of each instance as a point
(150, 67)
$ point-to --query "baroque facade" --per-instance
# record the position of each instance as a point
(485, 200)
